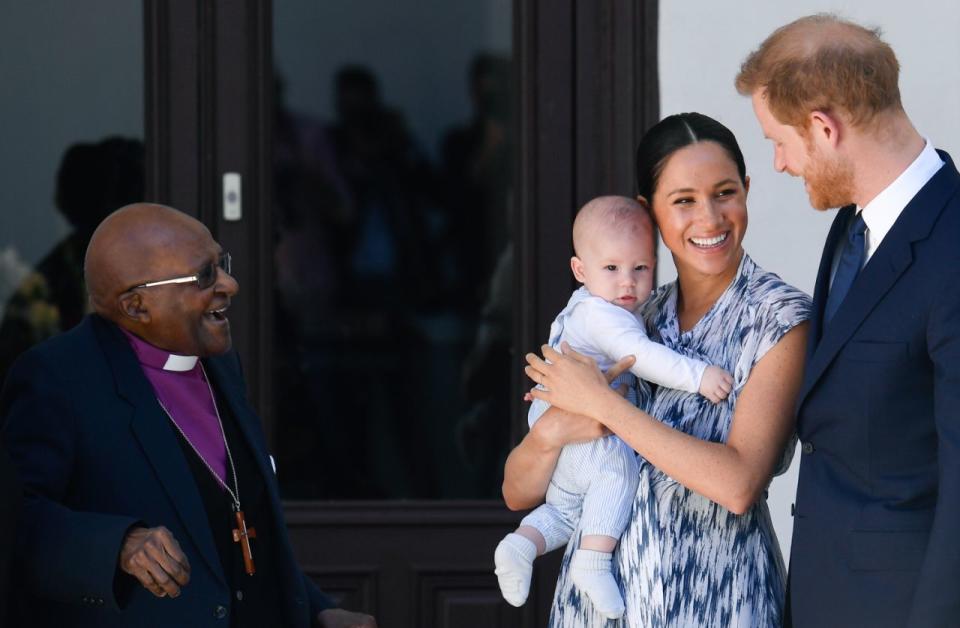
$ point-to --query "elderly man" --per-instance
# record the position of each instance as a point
(151, 500)
(876, 538)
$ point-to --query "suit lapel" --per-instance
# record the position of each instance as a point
(151, 428)
(887, 264)
(229, 383)
(229, 386)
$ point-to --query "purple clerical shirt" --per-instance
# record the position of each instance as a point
(181, 387)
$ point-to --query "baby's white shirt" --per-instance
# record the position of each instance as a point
(607, 332)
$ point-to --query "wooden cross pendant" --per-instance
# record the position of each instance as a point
(242, 535)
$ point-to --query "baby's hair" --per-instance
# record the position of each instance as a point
(609, 213)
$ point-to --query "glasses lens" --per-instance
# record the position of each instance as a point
(207, 276)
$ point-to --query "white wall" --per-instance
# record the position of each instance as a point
(703, 42)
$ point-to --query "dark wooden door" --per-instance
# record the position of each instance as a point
(583, 88)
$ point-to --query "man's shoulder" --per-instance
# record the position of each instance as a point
(942, 228)
(73, 344)
(941, 198)
(952, 207)
(71, 354)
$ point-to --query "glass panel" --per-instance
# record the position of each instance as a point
(393, 159)
(72, 112)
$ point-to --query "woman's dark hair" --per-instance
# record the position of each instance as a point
(673, 133)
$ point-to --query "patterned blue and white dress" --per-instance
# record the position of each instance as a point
(685, 560)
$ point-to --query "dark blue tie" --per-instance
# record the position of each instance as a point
(851, 258)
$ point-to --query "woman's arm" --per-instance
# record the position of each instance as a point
(733, 474)
(530, 465)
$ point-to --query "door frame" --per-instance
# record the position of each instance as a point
(208, 111)
(586, 77)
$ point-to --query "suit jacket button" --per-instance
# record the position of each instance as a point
(793, 510)
(220, 611)
(807, 448)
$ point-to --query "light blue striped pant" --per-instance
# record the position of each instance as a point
(594, 481)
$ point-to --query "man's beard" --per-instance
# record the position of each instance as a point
(829, 183)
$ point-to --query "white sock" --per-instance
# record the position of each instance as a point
(514, 561)
(592, 573)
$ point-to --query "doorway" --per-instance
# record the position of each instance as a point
(397, 191)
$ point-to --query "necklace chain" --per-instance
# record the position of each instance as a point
(235, 493)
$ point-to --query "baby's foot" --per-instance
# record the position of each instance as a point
(514, 561)
(592, 573)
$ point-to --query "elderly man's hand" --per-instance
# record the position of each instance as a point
(153, 556)
(339, 618)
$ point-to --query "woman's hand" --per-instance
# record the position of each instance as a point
(558, 428)
(529, 466)
(571, 381)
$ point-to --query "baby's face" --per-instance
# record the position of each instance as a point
(617, 266)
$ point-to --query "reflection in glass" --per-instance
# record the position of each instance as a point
(68, 155)
(393, 264)
(92, 181)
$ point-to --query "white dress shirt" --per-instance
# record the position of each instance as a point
(882, 212)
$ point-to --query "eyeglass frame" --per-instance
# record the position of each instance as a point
(224, 261)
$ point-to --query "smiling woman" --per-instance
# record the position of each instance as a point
(692, 171)
(703, 226)
(700, 548)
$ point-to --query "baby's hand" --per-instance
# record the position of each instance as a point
(716, 384)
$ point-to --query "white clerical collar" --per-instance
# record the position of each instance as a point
(885, 208)
(180, 363)
(157, 358)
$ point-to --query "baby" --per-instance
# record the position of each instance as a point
(595, 482)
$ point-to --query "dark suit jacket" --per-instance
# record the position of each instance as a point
(876, 538)
(9, 509)
(96, 455)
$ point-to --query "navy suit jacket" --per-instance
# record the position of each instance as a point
(96, 455)
(9, 508)
(876, 536)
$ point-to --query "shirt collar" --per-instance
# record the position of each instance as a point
(158, 358)
(885, 208)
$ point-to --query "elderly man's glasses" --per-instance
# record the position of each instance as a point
(204, 279)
